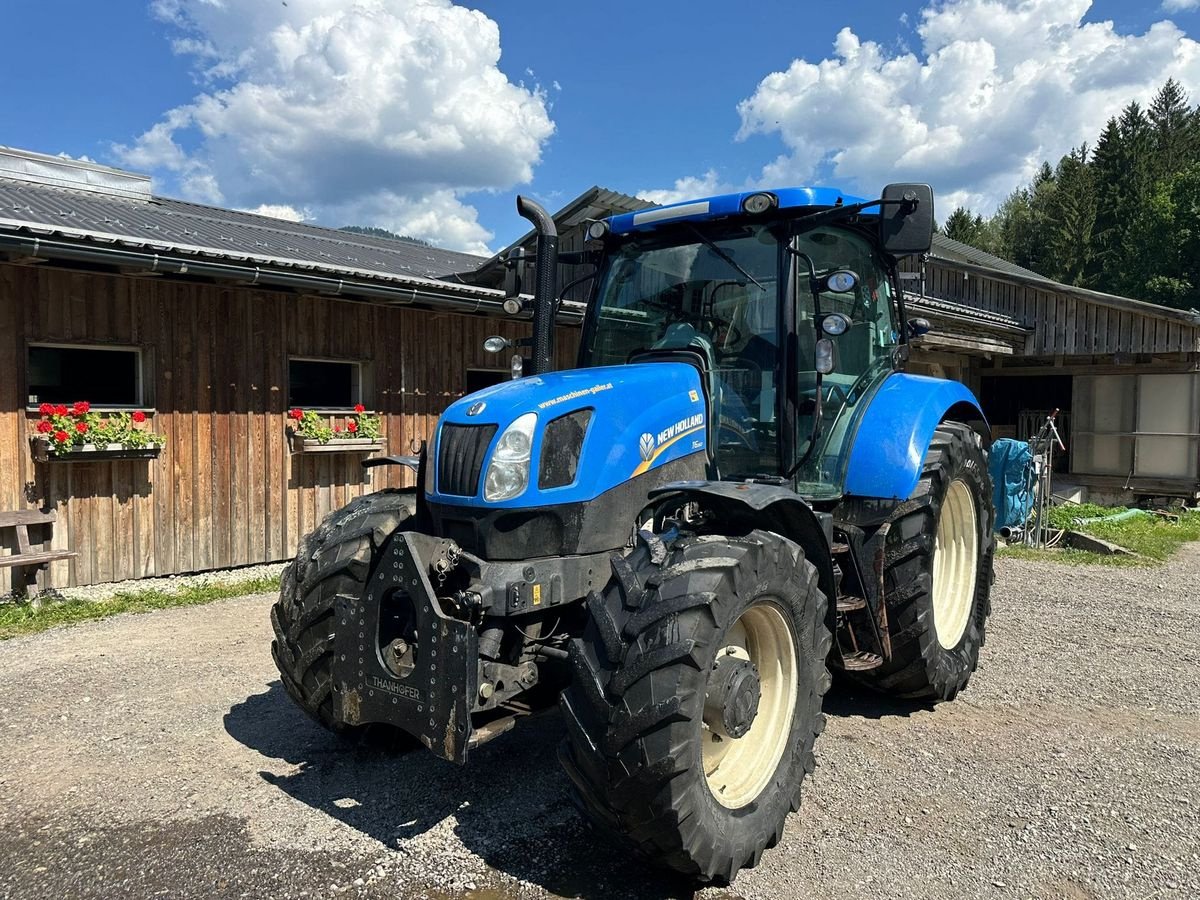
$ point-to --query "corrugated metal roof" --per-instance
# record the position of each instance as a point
(957, 251)
(936, 306)
(166, 225)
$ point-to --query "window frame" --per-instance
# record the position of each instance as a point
(361, 386)
(145, 400)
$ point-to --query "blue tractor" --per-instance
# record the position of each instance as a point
(738, 490)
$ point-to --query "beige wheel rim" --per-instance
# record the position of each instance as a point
(739, 769)
(955, 564)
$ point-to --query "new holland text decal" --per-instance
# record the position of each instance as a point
(651, 446)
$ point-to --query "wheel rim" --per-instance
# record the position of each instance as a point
(955, 564)
(738, 770)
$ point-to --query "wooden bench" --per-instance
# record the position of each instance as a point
(26, 560)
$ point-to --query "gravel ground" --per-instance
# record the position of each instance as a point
(157, 755)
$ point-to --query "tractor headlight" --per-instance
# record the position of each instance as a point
(508, 472)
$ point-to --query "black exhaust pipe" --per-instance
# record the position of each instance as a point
(545, 283)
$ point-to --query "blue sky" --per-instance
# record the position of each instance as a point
(322, 109)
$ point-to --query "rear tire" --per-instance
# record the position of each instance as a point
(640, 735)
(938, 572)
(333, 561)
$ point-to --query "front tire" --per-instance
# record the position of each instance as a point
(334, 560)
(938, 572)
(663, 748)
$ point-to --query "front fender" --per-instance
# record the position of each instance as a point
(889, 447)
(744, 506)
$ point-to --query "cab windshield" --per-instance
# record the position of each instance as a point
(718, 292)
(714, 291)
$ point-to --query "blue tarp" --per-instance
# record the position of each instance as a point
(1011, 466)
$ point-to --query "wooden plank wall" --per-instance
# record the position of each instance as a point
(1062, 324)
(226, 490)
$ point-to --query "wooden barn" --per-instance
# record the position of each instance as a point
(214, 324)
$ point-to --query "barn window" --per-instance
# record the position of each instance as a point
(324, 383)
(103, 376)
(478, 379)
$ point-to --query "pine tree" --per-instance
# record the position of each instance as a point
(1107, 164)
(1070, 218)
(964, 227)
(1172, 131)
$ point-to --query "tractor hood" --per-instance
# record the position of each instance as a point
(584, 432)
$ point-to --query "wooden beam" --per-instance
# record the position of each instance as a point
(968, 344)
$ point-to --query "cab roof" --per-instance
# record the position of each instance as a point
(723, 205)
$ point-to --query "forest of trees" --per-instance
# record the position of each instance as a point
(1122, 216)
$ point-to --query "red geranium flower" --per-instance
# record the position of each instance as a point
(61, 436)
(296, 413)
(139, 416)
(81, 407)
(352, 425)
(44, 427)
(60, 410)
(81, 427)
(337, 429)
(46, 409)
(359, 408)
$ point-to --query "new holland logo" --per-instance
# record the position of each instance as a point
(476, 408)
(646, 446)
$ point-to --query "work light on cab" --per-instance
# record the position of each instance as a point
(757, 204)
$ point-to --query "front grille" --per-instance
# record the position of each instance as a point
(461, 452)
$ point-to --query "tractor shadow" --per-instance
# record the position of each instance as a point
(847, 699)
(509, 806)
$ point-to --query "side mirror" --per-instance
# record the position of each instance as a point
(906, 219)
(918, 327)
(512, 273)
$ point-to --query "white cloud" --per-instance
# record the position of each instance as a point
(1172, 6)
(999, 86)
(687, 188)
(348, 108)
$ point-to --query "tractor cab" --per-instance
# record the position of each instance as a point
(794, 313)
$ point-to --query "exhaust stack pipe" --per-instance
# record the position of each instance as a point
(545, 283)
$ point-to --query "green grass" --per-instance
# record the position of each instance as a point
(24, 617)
(1154, 539)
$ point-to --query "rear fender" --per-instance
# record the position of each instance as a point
(889, 447)
(741, 507)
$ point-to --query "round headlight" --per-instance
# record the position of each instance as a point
(758, 203)
(597, 230)
(842, 282)
(512, 306)
(835, 324)
(495, 344)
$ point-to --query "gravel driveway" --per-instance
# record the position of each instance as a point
(157, 755)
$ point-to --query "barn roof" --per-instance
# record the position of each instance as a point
(73, 201)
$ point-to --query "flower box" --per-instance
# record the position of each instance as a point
(92, 452)
(302, 444)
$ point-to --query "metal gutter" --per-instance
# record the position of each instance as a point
(400, 291)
